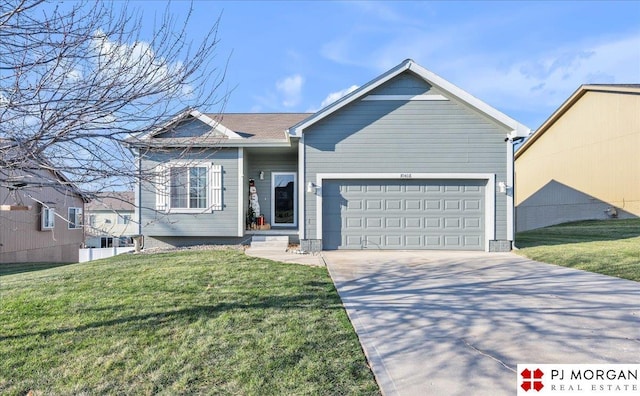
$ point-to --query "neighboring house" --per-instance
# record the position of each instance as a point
(40, 218)
(407, 161)
(109, 219)
(583, 162)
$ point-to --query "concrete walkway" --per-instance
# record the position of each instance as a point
(445, 323)
(286, 257)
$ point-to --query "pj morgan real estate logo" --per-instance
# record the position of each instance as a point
(578, 379)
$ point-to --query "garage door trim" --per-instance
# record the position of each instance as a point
(490, 195)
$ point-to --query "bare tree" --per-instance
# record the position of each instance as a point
(78, 78)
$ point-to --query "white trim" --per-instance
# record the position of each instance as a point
(47, 218)
(406, 97)
(302, 224)
(241, 185)
(273, 199)
(165, 169)
(78, 217)
(431, 78)
(218, 127)
(510, 192)
(490, 194)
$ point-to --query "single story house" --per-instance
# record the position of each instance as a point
(41, 217)
(407, 161)
(582, 163)
(109, 220)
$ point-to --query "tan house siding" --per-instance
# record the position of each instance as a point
(582, 163)
(110, 223)
(21, 237)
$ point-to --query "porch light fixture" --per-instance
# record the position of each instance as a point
(311, 187)
(502, 187)
(261, 175)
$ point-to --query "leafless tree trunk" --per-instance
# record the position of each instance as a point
(78, 78)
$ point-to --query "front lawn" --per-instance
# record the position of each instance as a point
(208, 322)
(609, 247)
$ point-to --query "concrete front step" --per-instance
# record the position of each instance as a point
(270, 242)
(270, 238)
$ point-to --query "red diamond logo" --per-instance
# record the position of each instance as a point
(532, 380)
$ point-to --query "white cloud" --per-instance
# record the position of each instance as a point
(333, 96)
(135, 63)
(291, 89)
(546, 80)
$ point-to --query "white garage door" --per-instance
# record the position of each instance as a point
(403, 214)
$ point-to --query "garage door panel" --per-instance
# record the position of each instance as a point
(393, 222)
(432, 242)
(373, 188)
(452, 223)
(403, 214)
(472, 223)
(452, 241)
(374, 204)
(432, 204)
(393, 204)
(353, 223)
(353, 240)
(472, 204)
(431, 222)
(451, 204)
(413, 204)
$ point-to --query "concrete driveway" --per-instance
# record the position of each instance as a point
(446, 323)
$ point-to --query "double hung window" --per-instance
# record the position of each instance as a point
(189, 187)
(74, 218)
(48, 218)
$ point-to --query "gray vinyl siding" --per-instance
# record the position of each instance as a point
(190, 127)
(269, 163)
(222, 223)
(406, 84)
(405, 137)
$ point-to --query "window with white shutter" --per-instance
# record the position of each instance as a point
(189, 187)
(215, 176)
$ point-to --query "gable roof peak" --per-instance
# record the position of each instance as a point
(518, 130)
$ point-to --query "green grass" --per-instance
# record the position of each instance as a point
(209, 322)
(609, 247)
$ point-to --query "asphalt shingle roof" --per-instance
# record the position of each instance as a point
(260, 125)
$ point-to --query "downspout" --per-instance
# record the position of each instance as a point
(510, 190)
(138, 195)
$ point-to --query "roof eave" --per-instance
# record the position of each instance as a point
(225, 144)
(567, 104)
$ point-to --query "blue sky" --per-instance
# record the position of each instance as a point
(523, 58)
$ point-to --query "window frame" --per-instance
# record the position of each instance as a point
(47, 214)
(77, 223)
(123, 219)
(213, 189)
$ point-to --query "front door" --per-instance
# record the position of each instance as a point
(284, 199)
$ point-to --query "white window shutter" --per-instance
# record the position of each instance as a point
(215, 181)
(162, 188)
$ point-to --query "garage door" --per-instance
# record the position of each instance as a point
(403, 214)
